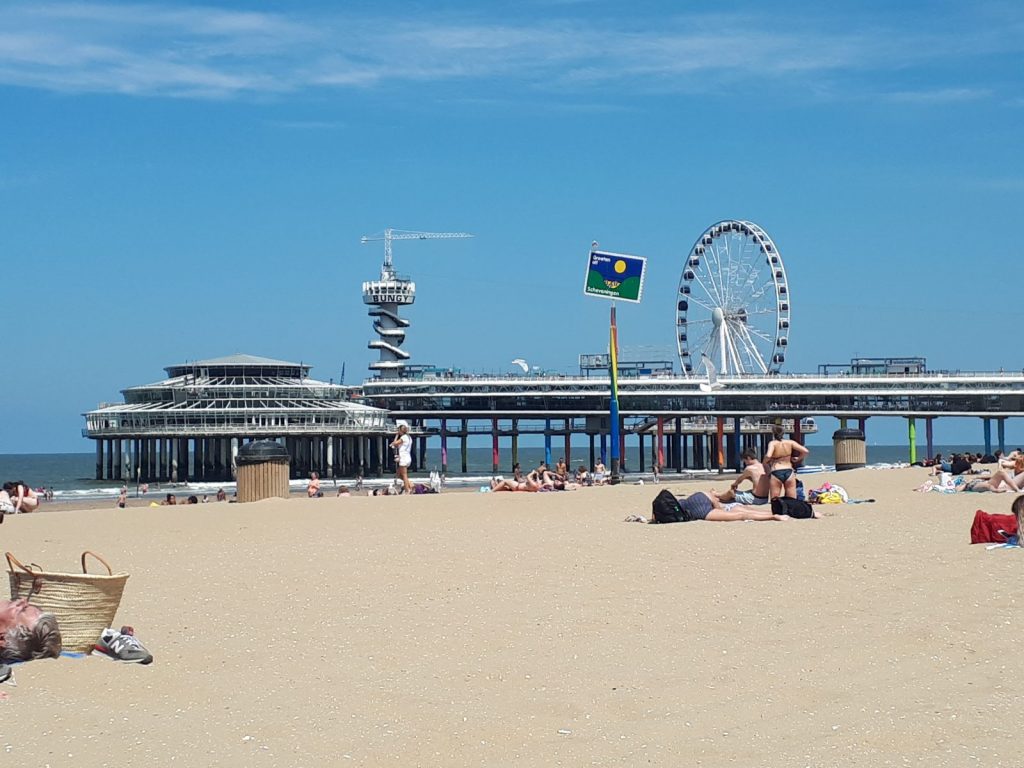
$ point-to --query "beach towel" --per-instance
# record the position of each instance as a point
(986, 528)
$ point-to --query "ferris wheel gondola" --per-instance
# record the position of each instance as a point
(733, 304)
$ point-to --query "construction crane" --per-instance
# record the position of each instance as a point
(389, 235)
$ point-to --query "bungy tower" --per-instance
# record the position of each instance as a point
(385, 296)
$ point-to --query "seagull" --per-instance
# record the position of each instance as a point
(712, 383)
(522, 364)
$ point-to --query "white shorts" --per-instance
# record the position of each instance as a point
(404, 461)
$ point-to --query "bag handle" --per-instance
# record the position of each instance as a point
(37, 581)
(13, 563)
(110, 571)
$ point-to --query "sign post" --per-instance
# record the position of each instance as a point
(614, 276)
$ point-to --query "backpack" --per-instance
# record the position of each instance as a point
(666, 509)
(796, 508)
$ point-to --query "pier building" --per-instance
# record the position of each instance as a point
(190, 425)
(690, 426)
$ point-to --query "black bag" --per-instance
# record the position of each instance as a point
(666, 509)
(797, 508)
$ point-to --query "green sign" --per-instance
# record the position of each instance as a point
(615, 276)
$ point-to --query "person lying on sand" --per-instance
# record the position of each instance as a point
(704, 506)
(27, 633)
(1001, 481)
(528, 485)
(753, 470)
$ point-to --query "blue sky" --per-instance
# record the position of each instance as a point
(180, 181)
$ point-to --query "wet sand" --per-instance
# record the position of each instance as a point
(534, 629)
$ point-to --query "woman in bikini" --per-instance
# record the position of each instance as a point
(782, 454)
(23, 497)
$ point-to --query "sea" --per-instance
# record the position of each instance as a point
(71, 476)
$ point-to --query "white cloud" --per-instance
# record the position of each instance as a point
(939, 96)
(196, 51)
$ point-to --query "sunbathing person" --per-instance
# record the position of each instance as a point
(753, 470)
(529, 485)
(27, 633)
(703, 506)
(780, 460)
(1001, 481)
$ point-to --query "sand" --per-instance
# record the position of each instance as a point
(537, 630)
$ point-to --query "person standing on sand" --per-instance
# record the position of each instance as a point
(313, 489)
(780, 460)
(122, 497)
(403, 445)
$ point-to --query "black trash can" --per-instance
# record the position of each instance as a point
(850, 448)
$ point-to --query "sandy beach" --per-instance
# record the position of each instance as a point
(534, 629)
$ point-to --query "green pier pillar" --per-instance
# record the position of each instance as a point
(912, 437)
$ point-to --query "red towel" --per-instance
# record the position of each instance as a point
(984, 529)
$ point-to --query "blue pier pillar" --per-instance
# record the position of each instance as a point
(444, 447)
(547, 442)
(987, 426)
(912, 438)
(1001, 433)
(737, 444)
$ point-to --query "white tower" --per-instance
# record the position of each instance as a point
(385, 296)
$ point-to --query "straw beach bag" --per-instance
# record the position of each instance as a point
(84, 603)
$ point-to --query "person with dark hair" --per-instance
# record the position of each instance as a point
(26, 633)
(780, 460)
(753, 470)
(23, 497)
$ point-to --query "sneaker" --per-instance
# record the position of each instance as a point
(121, 646)
(5, 673)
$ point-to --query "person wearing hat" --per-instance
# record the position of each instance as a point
(402, 444)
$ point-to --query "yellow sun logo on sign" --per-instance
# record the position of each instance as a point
(620, 266)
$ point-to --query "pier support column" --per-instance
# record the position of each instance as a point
(361, 456)
(547, 442)
(862, 425)
(737, 445)
(797, 432)
(683, 447)
(515, 442)
(661, 442)
(928, 437)
(330, 457)
(444, 447)
(99, 459)
(680, 446)
(604, 450)
(110, 459)
(912, 438)
(465, 445)
(381, 451)
(568, 442)
(1001, 433)
(118, 460)
(590, 438)
(495, 457)
(842, 423)
(234, 457)
(423, 452)
(720, 443)
(987, 426)
(622, 442)
(640, 451)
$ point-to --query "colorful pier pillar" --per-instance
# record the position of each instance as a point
(661, 442)
(912, 438)
(494, 446)
(547, 442)
(720, 442)
(444, 446)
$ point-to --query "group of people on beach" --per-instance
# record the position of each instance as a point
(1006, 477)
(772, 476)
(17, 496)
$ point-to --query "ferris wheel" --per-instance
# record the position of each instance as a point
(733, 302)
